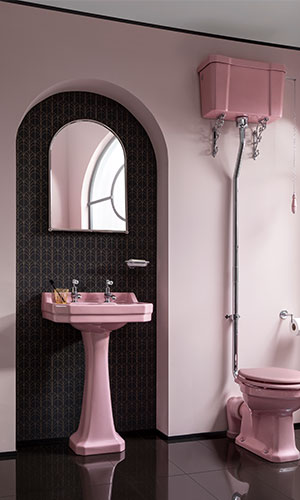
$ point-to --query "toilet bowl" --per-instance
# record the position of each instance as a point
(262, 421)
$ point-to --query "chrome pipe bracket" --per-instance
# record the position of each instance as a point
(257, 136)
(242, 121)
(216, 133)
(236, 496)
(232, 317)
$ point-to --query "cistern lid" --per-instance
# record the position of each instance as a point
(271, 375)
(232, 61)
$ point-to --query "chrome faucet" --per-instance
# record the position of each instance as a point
(108, 296)
(74, 293)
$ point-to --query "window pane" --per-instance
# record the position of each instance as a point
(103, 217)
(119, 194)
(106, 168)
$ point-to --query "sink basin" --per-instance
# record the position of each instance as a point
(93, 314)
(95, 319)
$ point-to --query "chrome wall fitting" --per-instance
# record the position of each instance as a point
(232, 317)
(285, 314)
(257, 135)
(216, 133)
(242, 124)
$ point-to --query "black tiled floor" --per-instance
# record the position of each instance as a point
(195, 456)
(149, 469)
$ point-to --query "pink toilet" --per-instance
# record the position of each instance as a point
(251, 91)
(262, 422)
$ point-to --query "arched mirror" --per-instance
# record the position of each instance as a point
(87, 179)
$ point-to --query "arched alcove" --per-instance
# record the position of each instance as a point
(50, 361)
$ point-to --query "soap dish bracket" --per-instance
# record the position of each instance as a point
(133, 263)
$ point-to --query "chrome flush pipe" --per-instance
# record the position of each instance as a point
(242, 124)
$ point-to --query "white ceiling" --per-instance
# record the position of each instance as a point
(273, 21)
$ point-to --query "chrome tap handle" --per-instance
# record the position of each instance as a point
(107, 287)
(108, 296)
(74, 284)
(74, 293)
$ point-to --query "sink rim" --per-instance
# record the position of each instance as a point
(97, 312)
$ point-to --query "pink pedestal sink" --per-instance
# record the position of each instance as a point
(96, 319)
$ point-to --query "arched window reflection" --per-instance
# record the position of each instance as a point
(87, 179)
(107, 193)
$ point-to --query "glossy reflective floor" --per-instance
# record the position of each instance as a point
(149, 469)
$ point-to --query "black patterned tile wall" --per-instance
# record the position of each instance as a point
(50, 357)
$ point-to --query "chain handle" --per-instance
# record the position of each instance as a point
(257, 136)
(216, 133)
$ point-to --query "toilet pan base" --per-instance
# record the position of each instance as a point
(269, 435)
(259, 448)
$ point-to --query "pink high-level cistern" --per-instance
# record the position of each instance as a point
(250, 91)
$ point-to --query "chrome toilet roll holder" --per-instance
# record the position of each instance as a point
(294, 327)
(284, 314)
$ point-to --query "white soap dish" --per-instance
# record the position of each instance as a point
(131, 263)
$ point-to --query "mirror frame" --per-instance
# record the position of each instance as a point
(50, 228)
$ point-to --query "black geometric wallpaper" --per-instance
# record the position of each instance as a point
(50, 357)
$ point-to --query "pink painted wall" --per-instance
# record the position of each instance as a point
(156, 79)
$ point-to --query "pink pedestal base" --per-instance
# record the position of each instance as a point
(96, 432)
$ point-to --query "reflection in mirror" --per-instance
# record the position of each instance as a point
(87, 179)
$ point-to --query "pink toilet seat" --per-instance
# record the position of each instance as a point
(270, 378)
(272, 375)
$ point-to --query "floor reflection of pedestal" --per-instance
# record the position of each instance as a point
(96, 432)
(97, 474)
